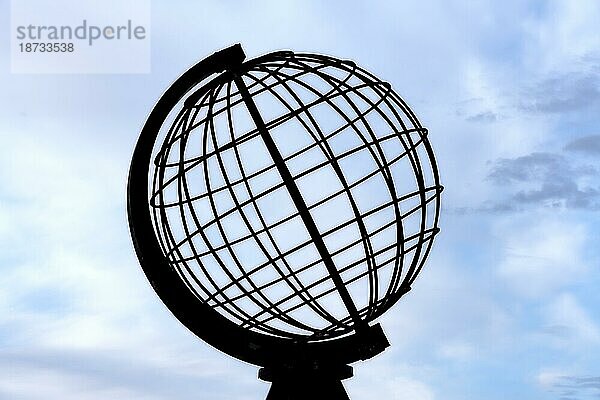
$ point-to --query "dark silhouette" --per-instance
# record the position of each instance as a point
(293, 199)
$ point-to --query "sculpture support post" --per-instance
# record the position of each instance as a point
(306, 382)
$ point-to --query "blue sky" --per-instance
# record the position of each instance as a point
(507, 306)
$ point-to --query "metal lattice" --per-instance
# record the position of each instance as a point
(298, 198)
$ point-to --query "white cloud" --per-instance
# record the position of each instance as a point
(389, 381)
(459, 351)
(541, 253)
(548, 377)
(450, 316)
(564, 32)
(27, 383)
(63, 229)
(39, 374)
(74, 303)
(581, 329)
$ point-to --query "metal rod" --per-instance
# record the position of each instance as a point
(300, 204)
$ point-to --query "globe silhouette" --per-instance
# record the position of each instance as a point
(297, 196)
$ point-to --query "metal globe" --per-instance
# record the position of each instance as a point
(297, 196)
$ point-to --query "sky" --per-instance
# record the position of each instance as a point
(507, 305)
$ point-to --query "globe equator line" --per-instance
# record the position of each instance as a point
(306, 172)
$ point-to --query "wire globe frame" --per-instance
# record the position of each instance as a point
(192, 226)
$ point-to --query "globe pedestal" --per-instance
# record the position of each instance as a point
(306, 382)
(301, 379)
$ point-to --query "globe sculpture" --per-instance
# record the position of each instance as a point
(279, 206)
